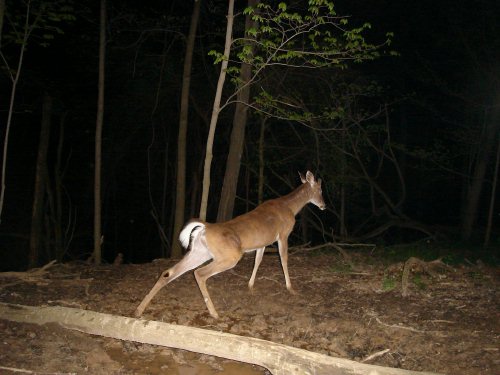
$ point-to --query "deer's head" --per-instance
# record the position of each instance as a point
(314, 191)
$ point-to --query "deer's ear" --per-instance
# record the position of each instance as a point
(309, 177)
(302, 178)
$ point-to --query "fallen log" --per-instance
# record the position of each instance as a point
(277, 358)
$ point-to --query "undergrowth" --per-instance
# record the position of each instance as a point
(452, 253)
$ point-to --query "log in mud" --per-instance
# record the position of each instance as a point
(277, 358)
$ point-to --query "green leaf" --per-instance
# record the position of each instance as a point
(248, 11)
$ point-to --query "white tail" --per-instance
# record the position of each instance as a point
(190, 230)
(225, 243)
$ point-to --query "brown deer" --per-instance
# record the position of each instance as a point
(225, 243)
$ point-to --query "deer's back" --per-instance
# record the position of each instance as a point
(255, 229)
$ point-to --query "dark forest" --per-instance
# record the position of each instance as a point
(395, 107)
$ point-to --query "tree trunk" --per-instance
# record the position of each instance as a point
(2, 14)
(40, 180)
(98, 137)
(487, 142)
(342, 214)
(343, 184)
(215, 112)
(166, 248)
(262, 143)
(228, 193)
(2, 188)
(49, 217)
(489, 223)
(277, 358)
(58, 187)
(180, 196)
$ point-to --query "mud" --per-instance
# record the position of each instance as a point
(449, 322)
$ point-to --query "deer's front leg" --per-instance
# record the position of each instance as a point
(283, 249)
(258, 258)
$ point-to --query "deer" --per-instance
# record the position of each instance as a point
(225, 243)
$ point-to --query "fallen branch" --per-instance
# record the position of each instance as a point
(375, 355)
(14, 369)
(306, 247)
(34, 275)
(277, 358)
(37, 275)
(336, 246)
(400, 222)
(396, 326)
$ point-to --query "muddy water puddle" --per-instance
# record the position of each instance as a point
(178, 362)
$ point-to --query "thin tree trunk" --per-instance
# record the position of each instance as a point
(194, 193)
(98, 137)
(40, 180)
(489, 224)
(343, 167)
(247, 185)
(2, 14)
(58, 187)
(15, 79)
(180, 196)
(233, 163)
(160, 215)
(262, 139)
(166, 197)
(215, 112)
(49, 217)
(343, 230)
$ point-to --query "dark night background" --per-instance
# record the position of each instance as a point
(441, 95)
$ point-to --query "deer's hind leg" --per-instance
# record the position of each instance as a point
(195, 257)
(218, 265)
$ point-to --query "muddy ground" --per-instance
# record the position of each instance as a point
(449, 323)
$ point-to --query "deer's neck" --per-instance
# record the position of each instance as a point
(297, 199)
